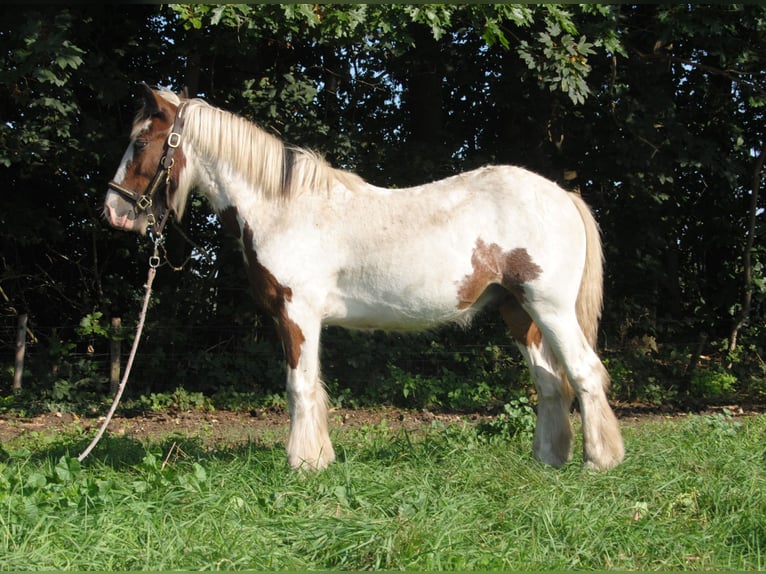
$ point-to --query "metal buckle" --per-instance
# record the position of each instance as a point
(144, 202)
(174, 139)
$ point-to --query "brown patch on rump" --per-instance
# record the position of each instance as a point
(491, 264)
(271, 296)
(520, 324)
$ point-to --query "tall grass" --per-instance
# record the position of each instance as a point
(691, 495)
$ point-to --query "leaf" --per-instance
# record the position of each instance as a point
(341, 494)
(36, 480)
(493, 33)
(199, 472)
(67, 469)
(47, 76)
(70, 57)
(218, 12)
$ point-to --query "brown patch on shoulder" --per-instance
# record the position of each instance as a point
(491, 264)
(230, 223)
(520, 324)
(272, 296)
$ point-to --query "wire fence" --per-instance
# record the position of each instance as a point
(44, 333)
(239, 346)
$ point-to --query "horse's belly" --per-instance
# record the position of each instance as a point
(388, 316)
(395, 302)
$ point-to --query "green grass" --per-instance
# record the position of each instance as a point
(691, 495)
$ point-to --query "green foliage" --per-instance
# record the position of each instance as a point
(92, 324)
(656, 111)
(713, 383)
(446, 389)
(561, 61)
(719, 425)
(517, 420)
(179, 400)
(41, 68)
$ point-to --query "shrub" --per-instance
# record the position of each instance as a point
(517, 419)
(713, 383)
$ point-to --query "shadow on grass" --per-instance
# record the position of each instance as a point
(122, 452)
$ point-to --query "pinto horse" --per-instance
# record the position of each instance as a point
(324, 247)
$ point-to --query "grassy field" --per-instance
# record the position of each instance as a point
(691, 495)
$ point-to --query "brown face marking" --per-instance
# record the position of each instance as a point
(271, 296)
(149, 149)
(491, 264)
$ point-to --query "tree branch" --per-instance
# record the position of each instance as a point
(736, 76)
(747, 265)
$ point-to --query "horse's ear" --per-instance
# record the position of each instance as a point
(151, 107)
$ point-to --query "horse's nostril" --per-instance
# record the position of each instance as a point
(123, 221)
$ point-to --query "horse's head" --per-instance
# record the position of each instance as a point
(145, 188)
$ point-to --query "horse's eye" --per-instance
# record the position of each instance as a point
(140, 144)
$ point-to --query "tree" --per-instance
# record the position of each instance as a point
(653, 112)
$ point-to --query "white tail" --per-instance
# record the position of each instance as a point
(590, 299)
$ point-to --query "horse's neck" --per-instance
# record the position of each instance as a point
(222, 187)
(225, 188)
(231, 194)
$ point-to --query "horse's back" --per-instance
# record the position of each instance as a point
(420, 256)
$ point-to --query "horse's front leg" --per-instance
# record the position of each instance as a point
(308, 445)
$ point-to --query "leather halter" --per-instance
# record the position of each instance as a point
(143, 201)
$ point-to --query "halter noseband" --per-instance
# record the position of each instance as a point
(143, 201)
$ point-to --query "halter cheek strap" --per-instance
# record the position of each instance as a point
(144, 201)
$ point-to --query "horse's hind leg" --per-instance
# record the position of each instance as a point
(602, 441)
(553, 431)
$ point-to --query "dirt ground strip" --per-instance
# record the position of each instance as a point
(230, 427)
(216, 427)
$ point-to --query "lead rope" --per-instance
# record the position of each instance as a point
(154, 263)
